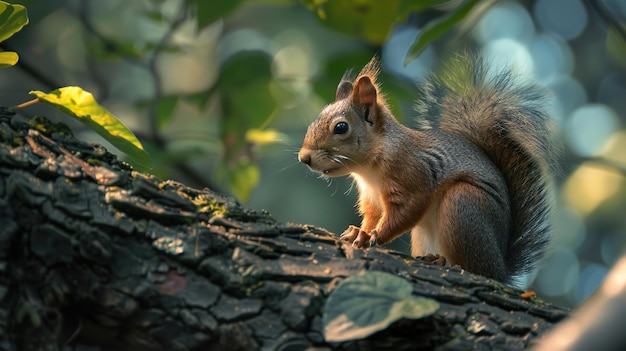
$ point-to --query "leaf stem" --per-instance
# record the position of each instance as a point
(24, 104)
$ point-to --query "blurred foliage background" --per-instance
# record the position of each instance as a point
(221, 92)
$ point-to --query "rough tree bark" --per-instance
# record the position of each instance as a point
(96, 256)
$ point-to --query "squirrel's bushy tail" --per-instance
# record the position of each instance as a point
(504, 116)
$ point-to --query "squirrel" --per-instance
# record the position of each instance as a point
(471, 181)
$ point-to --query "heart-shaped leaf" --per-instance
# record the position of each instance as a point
(369, 302)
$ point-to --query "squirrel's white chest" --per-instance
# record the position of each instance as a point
(369, 185)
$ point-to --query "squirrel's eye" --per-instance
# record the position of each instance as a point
(341, 128)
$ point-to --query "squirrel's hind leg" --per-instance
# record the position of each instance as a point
(471, 223)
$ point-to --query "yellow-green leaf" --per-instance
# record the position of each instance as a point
(8, 59)
(81, 104)
(265, 136)
(12, 19)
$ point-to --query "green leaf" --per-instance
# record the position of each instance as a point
(156, 16)
(116, 49)
(369, 302)
(436, 28)
(8, 59)
(208, 12)
(165, 107)
(242, 178)
(408, 6)
(616, 47)
(246, 96)
(81, 104)
(12, 19)
(369, 19)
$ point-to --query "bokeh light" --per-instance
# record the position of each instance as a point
(552, 57)
(508, 20)
(559, 272)
(508, 53)
(589, 186)
(612, 247)
(566, 95)
(590, 279)
(612, 91)
(614, 149)
(396, 49)
(589, 127)
(566, 18)
(569, 228)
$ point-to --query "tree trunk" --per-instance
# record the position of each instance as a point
(96, 256)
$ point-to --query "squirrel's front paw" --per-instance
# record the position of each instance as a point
(350, 234)
(359, 238)
(362, 240)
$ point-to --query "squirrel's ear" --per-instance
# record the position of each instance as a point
(365, 92)
(343, 90)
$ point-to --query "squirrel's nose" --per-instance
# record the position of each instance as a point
(305, 157)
